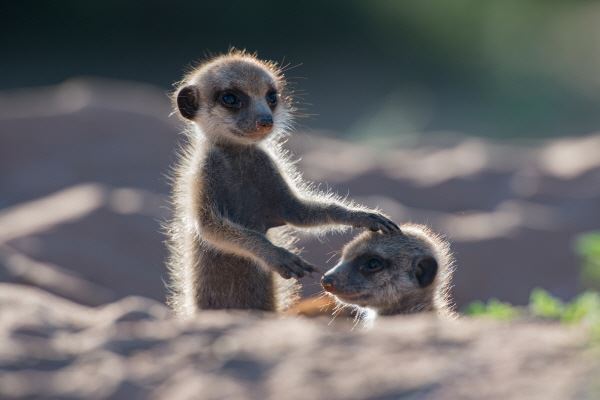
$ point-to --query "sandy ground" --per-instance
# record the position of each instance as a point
(83, 194)
(51, 348)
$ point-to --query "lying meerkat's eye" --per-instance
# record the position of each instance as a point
(272, 98)
(230, 100)
(372, 265)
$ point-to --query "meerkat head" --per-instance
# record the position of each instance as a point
(235, 97)
(393, 273)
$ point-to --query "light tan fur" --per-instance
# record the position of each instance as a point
(236, 192)
(395, 288)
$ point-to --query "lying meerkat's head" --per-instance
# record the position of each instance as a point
(235, 97)
(396, 273)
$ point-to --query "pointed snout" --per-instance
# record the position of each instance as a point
(328, 282)
(264, 122)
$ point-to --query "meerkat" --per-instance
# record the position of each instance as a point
(402, 272)
(234, 183)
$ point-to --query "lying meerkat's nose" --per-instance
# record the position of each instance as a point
(328, 283)
(265, 121)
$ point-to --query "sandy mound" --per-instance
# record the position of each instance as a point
(133, 349)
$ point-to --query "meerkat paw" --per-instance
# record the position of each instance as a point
(289, 265)
(377, 222)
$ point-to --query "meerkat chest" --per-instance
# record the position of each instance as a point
(249, 190)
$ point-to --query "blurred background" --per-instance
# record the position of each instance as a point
(478, 118)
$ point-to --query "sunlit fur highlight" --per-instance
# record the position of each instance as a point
(394, 293)
(189, 240)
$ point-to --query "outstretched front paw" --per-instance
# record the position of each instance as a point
(377, 222)
(290, 265)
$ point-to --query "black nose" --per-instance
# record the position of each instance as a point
(265, 121)
(328, 282)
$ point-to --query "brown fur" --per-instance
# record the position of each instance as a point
(235, 192)
(399, 287)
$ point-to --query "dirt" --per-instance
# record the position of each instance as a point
(133, 349)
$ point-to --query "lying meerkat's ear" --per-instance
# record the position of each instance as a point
(188, 102)
(425, 269)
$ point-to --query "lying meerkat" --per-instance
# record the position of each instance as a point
(233, 183)
(399, 273)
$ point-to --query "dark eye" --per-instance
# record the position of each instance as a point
(272, 98)
(373, 265)
(230, 100)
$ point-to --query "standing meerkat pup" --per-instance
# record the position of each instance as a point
(399, 273)
(232, 184)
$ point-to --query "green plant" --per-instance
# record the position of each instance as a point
(543, 304)
(584, 309)
(588, 248)
(494, 308)
(586, 306)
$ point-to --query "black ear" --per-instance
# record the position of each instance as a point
(187, 102)
(425, 270)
